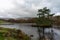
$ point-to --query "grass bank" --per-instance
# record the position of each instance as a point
(12, 34)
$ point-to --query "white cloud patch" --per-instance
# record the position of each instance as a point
(26, 8)
(6, 4)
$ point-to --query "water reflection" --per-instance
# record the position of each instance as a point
(32, 31)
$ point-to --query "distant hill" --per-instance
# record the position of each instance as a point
(56, 20)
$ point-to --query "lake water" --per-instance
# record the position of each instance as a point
(32, 30)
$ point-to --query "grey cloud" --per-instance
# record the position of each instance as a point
(55, 5)
(26, 9)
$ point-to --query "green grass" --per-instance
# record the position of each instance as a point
(1, 21)
(7, 31)
(1, 36)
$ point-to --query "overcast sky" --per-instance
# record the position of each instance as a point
(26, 8)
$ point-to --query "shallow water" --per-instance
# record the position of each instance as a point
(25, 28)
(33, 30)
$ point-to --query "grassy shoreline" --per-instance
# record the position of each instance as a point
(12, 34)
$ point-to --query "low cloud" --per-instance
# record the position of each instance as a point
(28, 8)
